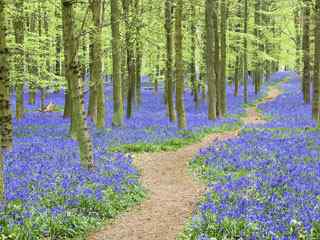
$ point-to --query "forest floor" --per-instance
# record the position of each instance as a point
(173, 191)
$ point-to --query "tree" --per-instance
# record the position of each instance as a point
(117, 119)
(5, 114)
(19, 57)
(245, 53)
(97, 8)
(169, 59)
(73, 74)
(306, 51)
(223, 54)
(316, 81)
(193, 33)
(179, 66)
(212, 111)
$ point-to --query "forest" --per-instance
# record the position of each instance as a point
(160, 119)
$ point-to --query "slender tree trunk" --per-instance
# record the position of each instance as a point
(217, 65)
(179, 66)
(19, 38)
(257, 72)
(237, 73)
(212, 111)
(92, 106)
(316, 81)
(131, 56)
(169, 59)
(5, 112)
(97, 9)
(32, 65)
(139, 50)
(245, 54)
(223, 49)
(117, 119)
(73, 74)
(194, 80)
(306, 51)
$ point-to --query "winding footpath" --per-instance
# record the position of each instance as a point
(173, 191)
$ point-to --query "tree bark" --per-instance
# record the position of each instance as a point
(117, 119)
(306, 52)
(169, 59)
(97, 9)
(73, 74)
(19, 38)
(179, 66)
(316, 81)
(5, 112)
(210, 64)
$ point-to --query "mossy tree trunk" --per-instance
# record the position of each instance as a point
(306, 51)
(97, 8)
(193, 35)
(19, 57)
(316, 81)
(117, 119)
(74, 76)
(5, 113)
(179, 66)
(210, 64)
(245, 53)
(257, 70)
(223, 53)
(169, 59)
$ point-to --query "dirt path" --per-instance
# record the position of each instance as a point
(174, 193)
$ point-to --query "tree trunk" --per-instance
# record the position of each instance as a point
(223, 62)
(257, 72)
(73, 74)
(194, 80)
(306, 52)
(217, 57)
(245, 54)
(5, 112)
(19, 38)
(211, 76)
(316, 81)
(97, 9)
(117, 119)
(179, 67)
(92, 105)
(169, 59)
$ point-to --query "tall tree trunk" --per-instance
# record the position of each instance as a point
(73, 74)
(217, 57)
(245, 53)
(169, 59)
(179, 66)
(257, 71)
(131, 56)
(97, 8)
(238, 70)
(223, 62)
(117, 119)
(92, 105)
(5, 112)
(32, 64)
(194, 80)
(139, 50)
(316, 81)
(211, 76)
(306, 51)
(19, 38)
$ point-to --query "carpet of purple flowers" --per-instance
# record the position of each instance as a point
(264, 184)
(50, 195)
